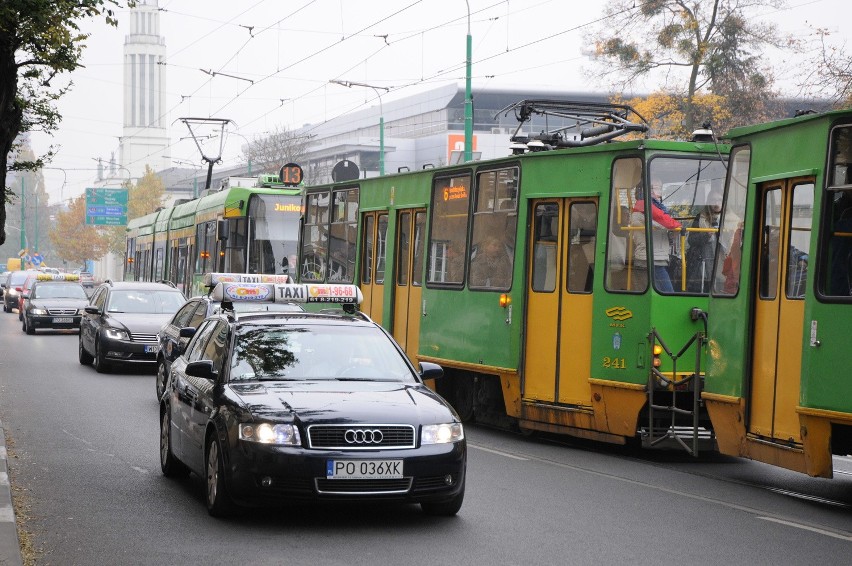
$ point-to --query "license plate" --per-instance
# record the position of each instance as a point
(152, 349)
(363, 469)
(62, 320)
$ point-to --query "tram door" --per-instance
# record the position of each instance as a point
(558, 341)
(373, 260)
(786, 215)
(408, 279)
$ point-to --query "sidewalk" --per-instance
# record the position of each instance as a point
(10, 547)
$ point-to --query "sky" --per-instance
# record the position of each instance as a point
(267, 64)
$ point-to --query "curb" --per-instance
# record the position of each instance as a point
(10, 546)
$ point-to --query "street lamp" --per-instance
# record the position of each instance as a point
(468, 100)
(248, 153)
(350, 84)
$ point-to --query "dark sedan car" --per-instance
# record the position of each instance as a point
(173, 342)
(54, 301)
(121, 323)
(271, 407)
(14, 287)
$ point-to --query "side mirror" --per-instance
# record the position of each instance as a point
(187, 332)
(91, 309)
(222, 230)
(201, 368)
(428, 370)
(26, 295)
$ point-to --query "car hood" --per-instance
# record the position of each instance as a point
(57, 303)
(139, 323)
(344, 401)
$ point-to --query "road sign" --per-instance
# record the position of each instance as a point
(106, 207)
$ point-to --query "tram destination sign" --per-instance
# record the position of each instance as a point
(106, 207)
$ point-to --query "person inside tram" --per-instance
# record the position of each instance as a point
(662, 223)
(701, 245)
(491, 264)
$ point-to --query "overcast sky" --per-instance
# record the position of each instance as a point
(285, 52)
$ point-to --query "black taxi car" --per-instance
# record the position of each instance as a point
(53, 301)
(176, 333)
(271, 406)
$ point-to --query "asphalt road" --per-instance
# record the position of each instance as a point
(85, 451)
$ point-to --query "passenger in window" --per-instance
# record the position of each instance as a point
(701, 245)
(662, 223)
(491, 264)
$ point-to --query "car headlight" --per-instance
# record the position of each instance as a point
(40, 312)
(116, 334)
(441, 433)
(265, 433)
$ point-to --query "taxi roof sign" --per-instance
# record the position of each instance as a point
(57, 277)
(287, 293)
(212, 279)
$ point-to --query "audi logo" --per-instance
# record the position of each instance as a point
(360, 436)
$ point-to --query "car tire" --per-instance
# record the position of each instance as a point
(161, 378)
(20, 314)
(28, 327)
(82, 355)
(99, 359)
(170, 466)
(446, 508)
(216, 495)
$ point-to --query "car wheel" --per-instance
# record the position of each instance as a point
(100, 363)
(446, 508)
(20, 314)
(28, 327)
(84, 356)
(170, 466)
(218, 503)
(5, 308)
(161, 378)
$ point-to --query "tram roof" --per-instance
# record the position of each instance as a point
(745, 131)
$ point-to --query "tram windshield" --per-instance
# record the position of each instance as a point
(274, 233)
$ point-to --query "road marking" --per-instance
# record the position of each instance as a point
(498, 452)
(806, 528)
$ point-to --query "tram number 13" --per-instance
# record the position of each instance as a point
(614, 363)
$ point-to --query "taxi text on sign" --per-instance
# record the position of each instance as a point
(106, 207)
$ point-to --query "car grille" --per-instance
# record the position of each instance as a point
(57, 312)
(150, 338)
(393, 437)
(359, 487)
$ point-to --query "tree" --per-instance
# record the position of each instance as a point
(37, 215)
(665, 113)
(73, 240)
(280, 147)
(828, 72)
(145, 197)
(39, 40)
(695, 46)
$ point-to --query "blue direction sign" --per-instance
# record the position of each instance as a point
(106, 207)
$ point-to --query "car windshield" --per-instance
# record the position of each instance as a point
(59, 291)
(149, 301)
(316, 352)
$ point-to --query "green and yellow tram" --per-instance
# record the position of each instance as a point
(542, 280)
(250, 227)
(777, 387)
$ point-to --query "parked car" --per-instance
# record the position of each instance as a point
(121, 323)
(278, 406)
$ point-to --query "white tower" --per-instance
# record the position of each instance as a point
(145, 139)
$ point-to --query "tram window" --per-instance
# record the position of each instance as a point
(494, 228)
(381, 248)
(726, 279)
(582, 223)
(404, 231)
(367, 249)
(235, 245)
(841, 157)
(419, 232)
(799, 241)
(342, 236)
(770, 245)
(450, 212)
(315, 237)
(545, 236)
(624, 272)
(837, 269)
